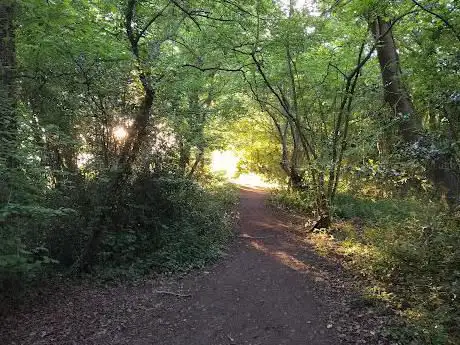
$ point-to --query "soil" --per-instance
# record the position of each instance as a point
(270, 288)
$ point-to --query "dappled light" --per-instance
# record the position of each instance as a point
(120, 133)
(282, 257)
(83, 159)
(141, 137)
(273, 225)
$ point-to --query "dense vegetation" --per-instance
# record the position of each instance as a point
(109, 112)
(105, 142)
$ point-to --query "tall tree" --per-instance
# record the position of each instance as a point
(441, 171)
(395, 93)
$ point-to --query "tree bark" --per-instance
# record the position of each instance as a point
(295, 177)
(395, 94)
(184, 156)
(195, 165)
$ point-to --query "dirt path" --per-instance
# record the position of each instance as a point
(268, 290)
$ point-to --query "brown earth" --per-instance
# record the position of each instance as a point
(271, 288)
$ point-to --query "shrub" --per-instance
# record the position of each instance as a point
(163, 224)
(293, 200)
(409, 252)
(168, 225)
(23, 255)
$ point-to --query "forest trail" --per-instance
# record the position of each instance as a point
(268, 290)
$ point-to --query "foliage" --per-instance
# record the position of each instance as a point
(90, 138)
(257, 148)
(165, 225)
(22, 258)
(297, 201)
(169, 225)
(407, 252)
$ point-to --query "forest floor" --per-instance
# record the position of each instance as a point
(270, 288)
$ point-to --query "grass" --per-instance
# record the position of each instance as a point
(407, 251)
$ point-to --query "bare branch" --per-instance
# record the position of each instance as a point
(224, 69)
(241, 9)
(187, 13)
(338, 70)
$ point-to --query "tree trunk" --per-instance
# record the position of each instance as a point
(296, 180)
(195, 165)
(184, 156)
(441, 170)
(322, 203)
(8, 119)
(395, 93)
(295, 176)
(116, 189)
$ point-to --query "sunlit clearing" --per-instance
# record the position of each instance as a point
(120, 133)
(224, 162)
(253, 180)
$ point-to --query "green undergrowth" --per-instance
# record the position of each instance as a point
(407, 251)
(170, 226)
(292, 201)
(164, 225)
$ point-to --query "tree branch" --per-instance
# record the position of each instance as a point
(444, 20)
(151, 21)
(187, 13)
(204, 69)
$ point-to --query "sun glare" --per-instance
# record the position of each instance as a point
(253, 180)
(224, 162)
(120, 133)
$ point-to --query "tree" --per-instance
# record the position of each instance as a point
(318, 120)
(440, 170)
(396, 94)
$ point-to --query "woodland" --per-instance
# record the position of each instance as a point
(110, 111)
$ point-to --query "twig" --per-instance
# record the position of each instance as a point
(162, 292)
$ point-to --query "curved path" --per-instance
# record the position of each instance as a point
(269, 289)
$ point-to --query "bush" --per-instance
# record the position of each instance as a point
(169, 225)
(163, 225)
(376, 210)
(23, 256)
